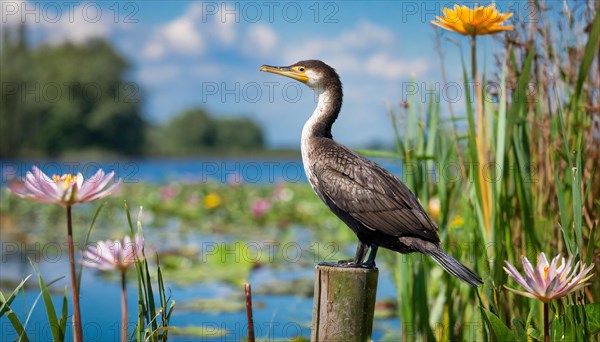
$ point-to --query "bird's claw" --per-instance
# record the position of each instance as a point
(347, 264)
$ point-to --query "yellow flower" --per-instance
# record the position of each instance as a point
(457, 221)
(212, 201)
(480, 21)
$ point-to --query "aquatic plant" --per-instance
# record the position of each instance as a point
(549, 281)
(116, 255)
(66, 190)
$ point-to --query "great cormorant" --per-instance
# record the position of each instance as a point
(376, 205)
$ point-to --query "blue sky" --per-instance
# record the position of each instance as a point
(187, 54)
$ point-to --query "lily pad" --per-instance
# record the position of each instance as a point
(220, 263)
(198, 331)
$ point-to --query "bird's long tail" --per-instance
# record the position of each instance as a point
(453, 266)
(450, 264)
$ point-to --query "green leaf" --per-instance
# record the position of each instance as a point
(519, 327)
(577, 204)
(65, 314)
(501, 125)
(562, 207)
(592, 312)
(520, 95)
(14, 320)
(588, 58)
(50, 311)
(499, 330)
(87, 238)
(420, 296)
(6, 302)
(563, 130)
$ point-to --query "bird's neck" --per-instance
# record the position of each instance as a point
(328, 108)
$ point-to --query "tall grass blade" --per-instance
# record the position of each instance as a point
(523, 181)
(591, 49)
(36, 301)
(501, 133)
(87, 239)
(500, 332)
(57, 334)
(6, 302)
(564, 215)
(577, 204)
(12, 317)
(62, 324)
(520, 95)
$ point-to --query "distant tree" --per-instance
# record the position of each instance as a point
(195, 131)
(190, 132)
(67, 97)
(17, 119)
(238, 134)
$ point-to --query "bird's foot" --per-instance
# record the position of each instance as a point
(368, 264)
(347, 264)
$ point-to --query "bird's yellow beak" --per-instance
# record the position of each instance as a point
(295, 72)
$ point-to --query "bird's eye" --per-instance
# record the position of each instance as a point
(301, 69)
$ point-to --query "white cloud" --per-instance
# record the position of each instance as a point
(260, 40)
(223, 32)
(385, 66)
(364, 50)
(366, 35)
(189, 34)
(179, 36)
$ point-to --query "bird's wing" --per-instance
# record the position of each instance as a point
(371, 194)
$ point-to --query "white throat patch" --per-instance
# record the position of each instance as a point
(308, 129)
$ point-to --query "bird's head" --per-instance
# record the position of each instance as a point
(313, 73)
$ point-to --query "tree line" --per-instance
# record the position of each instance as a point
(66, 98)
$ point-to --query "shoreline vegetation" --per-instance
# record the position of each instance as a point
(97, 110)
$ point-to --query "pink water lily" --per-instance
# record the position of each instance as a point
(66, 189)
(110, 255)
(260, 207)
(116, 255)
(549, 281)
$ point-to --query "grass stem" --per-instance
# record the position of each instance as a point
(77, 332)
(546, 324)
(123, 307)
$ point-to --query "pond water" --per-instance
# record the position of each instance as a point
(275, 316)
(247, 170)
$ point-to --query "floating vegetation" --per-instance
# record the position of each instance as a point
(198, 331)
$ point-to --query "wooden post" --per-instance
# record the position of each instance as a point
(344, 304)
